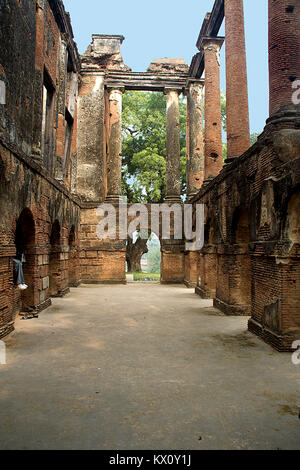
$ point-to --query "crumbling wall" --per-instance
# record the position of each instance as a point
(25, 187)
(37, 50)
(253, 207)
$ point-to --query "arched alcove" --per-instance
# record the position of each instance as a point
(54, 258)
(73, 258)
(25, 244)
(292, 225)
(240, 276)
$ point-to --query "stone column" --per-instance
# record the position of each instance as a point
(284, 51)
(91, 179)
(173, 189)
(213, 117)
(195, 155)
(238, 134)
(114, 157)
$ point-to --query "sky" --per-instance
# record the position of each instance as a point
(170, 28)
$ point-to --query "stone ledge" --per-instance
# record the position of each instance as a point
(232, 310)
(104, 281)
(170, 282)
(62, 293)
(281, 343)
(189, 284)
(204, 293)
(75, 284)
(6, 330)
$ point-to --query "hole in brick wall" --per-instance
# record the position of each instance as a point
(290, 9)
(25, 244)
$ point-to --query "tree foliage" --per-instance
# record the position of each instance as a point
(144, 146)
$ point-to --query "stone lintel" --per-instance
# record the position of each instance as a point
(192, 80)
(212, 22)
(210, 27)
(145, 81)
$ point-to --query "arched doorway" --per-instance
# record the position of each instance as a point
(25, 244)
(233, 289)
(143, 257)
(151, 261)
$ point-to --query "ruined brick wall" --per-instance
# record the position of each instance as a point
(17, 67)
(252, 206)
(37, 48)
(24, 188)
(104, 260)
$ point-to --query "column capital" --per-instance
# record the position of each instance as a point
(116, 89)
(168, 90)
(193, 83)
(209, 42)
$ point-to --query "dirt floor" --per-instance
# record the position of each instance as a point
(144, 366)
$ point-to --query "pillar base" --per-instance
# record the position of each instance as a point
(280, 342)
(287, 113)
(75, 284)
(232, 310)
(189, 284)
(61, 293)
(204, 293)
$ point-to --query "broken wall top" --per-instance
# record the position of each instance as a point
(104, 53)
(168, 66)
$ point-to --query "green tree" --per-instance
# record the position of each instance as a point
(144, 146)
(254, 137)
(154, 259)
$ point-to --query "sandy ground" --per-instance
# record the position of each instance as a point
(144, 366)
